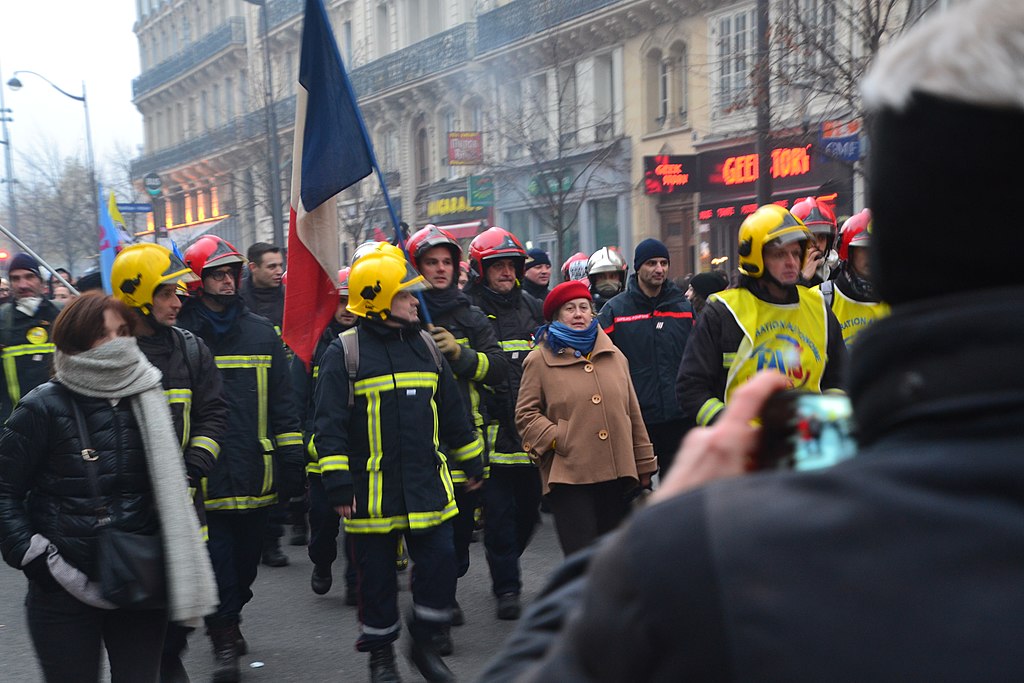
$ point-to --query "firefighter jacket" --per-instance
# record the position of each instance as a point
(303, 383)
(263, 424)
(515, 317)
(652, 333)
(195, 394)
(854, 309)
(27, 351)
(383, 450)
(481, 363)
(740, 332)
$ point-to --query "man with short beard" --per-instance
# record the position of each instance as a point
(25, 326)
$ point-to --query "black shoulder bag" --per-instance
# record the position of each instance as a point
(131, 566)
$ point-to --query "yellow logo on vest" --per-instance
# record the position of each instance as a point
(37, 335)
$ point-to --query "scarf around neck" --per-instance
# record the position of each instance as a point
(118, 369)
(559, 336)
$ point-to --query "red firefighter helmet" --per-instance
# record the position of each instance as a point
(856, 232)
(818, 216)
(343, 281)
(427, 238)
(210, 251)
(575, 267)
(493, 244)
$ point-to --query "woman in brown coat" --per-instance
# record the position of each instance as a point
(580, 419)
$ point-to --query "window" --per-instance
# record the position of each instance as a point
(604, 221)
(216, 105)
(383, 31)
(568, 107)
(605, 102)
(229, 99)
(537, 122)
(449, 124)
(346, 47)
(680, 83)
(808, 32)
(204, 110)
(389, 149)
(734, 47)
(422, 157)
(290, 75)
(435, 17)
(414, 21)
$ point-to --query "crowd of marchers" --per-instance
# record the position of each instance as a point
(456, 392)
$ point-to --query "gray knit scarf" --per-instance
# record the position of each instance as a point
(118, 369)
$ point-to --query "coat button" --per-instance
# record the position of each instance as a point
(596, 398)
(588, 367)
(527, 446)
(603, 434)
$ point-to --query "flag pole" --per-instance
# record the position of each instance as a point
(25, 248)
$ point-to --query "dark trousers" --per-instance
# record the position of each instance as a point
(433, 584)
(666, 437)
(235, 545)
(463, 525)
(583, 512)
(511, 514)
(324, 526)
(69, 637)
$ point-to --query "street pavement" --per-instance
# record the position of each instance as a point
(295, 635)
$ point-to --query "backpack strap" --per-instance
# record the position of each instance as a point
(434, 351)
(350, 343)
(191, 344)
(828, 288)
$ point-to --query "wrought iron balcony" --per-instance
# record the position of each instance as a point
(445, 50)
(252, 126)
(522, 18)
(281, 11)
(231, 32)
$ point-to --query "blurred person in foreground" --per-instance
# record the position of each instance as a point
(906, 562)
(580, 418)
(50, 519)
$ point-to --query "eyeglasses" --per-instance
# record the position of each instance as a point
(219, 275)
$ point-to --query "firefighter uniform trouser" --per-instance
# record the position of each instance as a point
(433, 584)
(235, 545)
(463, 525)
(666, 437)
(511, 514)
(324, 525)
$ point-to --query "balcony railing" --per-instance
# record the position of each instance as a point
(435, 54)
(281, 11)
(252, 126)
(522, 18)
(232, 32)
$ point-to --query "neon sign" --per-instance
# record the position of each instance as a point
(666, 173)
(786, 162)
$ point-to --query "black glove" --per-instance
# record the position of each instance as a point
(37, 570)
(199, 463)
(291, 481)
(195, 475)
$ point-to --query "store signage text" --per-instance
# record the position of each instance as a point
(666, 173)
(786, 162)
(447, 206)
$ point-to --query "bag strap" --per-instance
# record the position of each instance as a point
(90, 457)
(350, 343)
(191, 344)
(828, 291)
(434, 351)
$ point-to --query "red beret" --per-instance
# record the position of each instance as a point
(567, 291)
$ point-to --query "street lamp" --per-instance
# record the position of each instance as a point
(274, 152)
(15, 84)
(5, 116)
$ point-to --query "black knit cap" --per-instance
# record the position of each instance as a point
(23, 261)
(942, 208)
(537, 257)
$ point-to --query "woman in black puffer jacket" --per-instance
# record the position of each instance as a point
(48, 513)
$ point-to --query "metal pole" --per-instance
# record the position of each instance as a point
(28, 250)
(92, 162)
(762, 87)
(274, 161)
(8, 160)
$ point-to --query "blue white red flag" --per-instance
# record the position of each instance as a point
(332, 151)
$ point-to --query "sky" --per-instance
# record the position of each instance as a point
(69, 41)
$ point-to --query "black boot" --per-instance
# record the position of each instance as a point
(225, 655)
(424, 655)
(272, 554)
(382, 666)
(321, 580)
(241, 646)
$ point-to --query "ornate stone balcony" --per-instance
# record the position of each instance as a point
(520, 19)
(228, 34)
(437, 53)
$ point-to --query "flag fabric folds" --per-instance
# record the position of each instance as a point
(332, 152)
(110, 240)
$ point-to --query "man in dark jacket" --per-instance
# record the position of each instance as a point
(537, 274)
(465, 336)
(385, 399)
(261, 452)
(650, 323)
(769, 322)
(25, 328)
(513, 492)
(145, 277)
(905, 562)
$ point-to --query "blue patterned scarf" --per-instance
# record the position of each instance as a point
(559, 336)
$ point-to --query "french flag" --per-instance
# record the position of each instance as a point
(332, 152)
